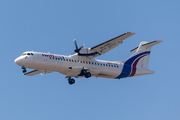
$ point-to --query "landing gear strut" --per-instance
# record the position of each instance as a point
(71, 80)
(24, 69)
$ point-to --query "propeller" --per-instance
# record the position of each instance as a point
(77, 49)
(75, 44)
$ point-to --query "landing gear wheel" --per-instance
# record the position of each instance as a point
(87, 75)
(24, 71)
(71, 81)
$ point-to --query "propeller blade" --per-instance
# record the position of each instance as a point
(77, 49)
(75, 44)
(81, 47)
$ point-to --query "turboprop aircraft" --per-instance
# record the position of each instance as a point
(82, 62)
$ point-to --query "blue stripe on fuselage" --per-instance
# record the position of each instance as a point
(128, 65)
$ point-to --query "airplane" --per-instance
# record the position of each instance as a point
(82, 64)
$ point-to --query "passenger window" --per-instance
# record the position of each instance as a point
(72, 60)
(89, 62)
(69, 60)
(97, 63)
(104, 64)
(101, 64)
(66, 59)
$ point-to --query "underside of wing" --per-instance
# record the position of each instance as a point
(35, 72)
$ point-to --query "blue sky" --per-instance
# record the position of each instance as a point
(42, 25)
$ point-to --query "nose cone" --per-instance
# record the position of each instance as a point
(18, 61)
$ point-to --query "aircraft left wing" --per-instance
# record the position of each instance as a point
(35, 72)
(105, 46)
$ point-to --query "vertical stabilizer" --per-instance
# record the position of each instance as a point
(137, 64)
(141, 56)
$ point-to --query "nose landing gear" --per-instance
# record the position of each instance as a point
(24, 69)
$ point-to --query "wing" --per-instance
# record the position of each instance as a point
(110, 44)
(35, 72)
(105, 46)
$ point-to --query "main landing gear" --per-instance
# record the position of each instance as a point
(71, 80)
(24, 69)
(85, 73)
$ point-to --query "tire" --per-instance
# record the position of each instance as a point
(24, 71)
(87, 75)
(71, 81)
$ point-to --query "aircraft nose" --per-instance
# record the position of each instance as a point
(18, 61)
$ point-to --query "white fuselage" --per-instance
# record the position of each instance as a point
(69, 65)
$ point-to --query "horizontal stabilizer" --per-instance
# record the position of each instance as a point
(149, 44)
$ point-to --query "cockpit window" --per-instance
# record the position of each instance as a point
(27, 54)
(23, 54)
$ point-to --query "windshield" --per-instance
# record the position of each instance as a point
(27, 54)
